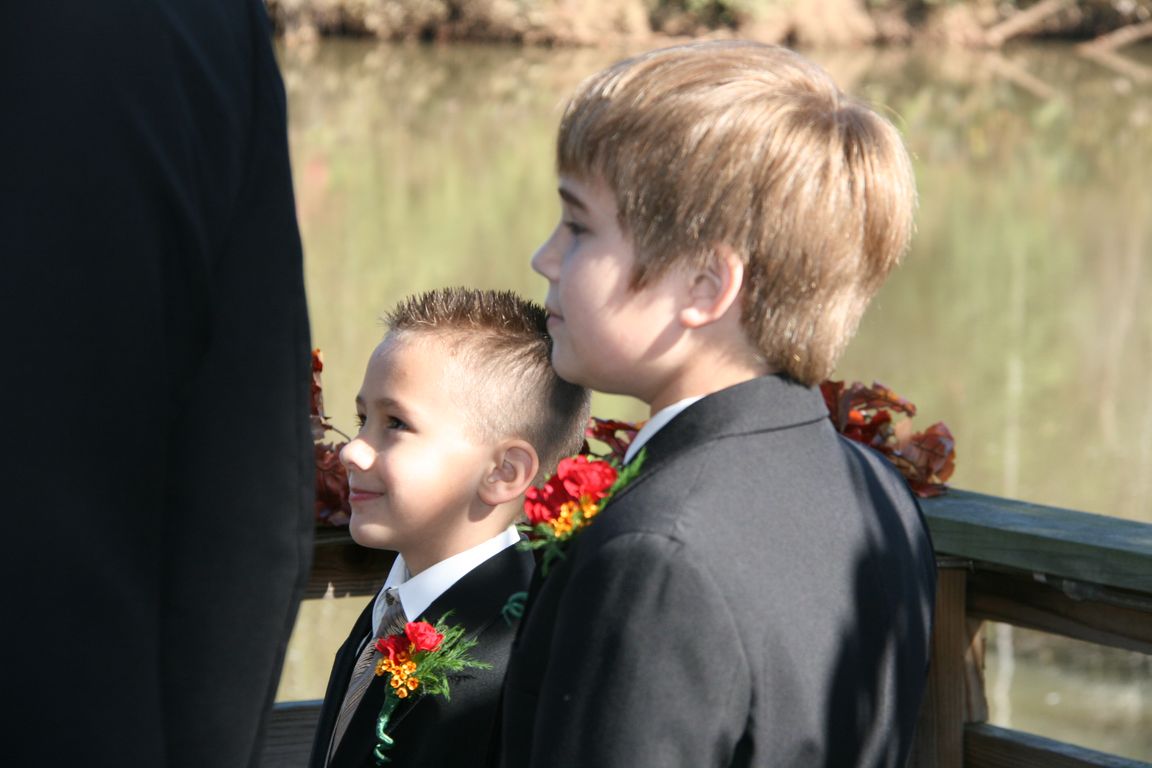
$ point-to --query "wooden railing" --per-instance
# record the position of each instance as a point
(1088, 577)
(1083, 576)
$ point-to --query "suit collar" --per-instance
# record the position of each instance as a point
(418, 593)
(655, 424)
(762, 404)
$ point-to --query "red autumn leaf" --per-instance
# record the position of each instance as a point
(858, 404)
(879, 396)
(864, 414)
(319, 420)
(617, 435)
(332, 507)
(931, 456)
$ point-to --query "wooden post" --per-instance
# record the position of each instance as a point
(940, 732)
(975, 701)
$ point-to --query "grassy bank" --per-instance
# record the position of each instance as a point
(978, 23)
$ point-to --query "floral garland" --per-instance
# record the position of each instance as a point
(419, 661)
(864, 414)
(332, 507)
(582, 485)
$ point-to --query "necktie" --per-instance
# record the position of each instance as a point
(392, 623)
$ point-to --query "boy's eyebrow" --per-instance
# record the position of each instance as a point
(380, 402)
(570, 197)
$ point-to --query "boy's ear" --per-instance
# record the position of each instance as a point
(515, 467)
(713, 289)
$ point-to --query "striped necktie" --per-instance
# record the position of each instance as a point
(363, 673)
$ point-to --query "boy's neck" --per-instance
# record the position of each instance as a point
(708, 358)
(700, 380)
(421, 559)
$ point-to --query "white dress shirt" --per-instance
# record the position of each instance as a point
(420, 591)
(655, 424)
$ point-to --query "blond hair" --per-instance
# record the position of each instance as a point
(504, 376)
(755, 148)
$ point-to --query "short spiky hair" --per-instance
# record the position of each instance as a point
(753, 147)
(504, 349)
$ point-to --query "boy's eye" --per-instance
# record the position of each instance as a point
(575, 228)
(360, 420)
(395, 423)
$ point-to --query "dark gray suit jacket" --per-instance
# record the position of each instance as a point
(760, 595)
(431, 731)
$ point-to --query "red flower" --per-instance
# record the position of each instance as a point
(423, 636)
(543, 503)
(576, 478)
(392, 646)
(582, 477)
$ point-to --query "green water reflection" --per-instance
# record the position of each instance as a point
(1020, 318)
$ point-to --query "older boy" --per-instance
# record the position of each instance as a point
(459, 412)
(761, 593)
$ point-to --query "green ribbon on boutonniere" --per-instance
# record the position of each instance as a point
(513, 609)
(569, 500)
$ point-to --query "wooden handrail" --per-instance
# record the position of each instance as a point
(342, 568)
(1094, 549)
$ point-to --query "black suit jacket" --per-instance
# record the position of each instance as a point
(431, 731)
(760, 595)
(156, 353)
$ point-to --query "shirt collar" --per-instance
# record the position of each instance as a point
(655, 424)
(418, 592)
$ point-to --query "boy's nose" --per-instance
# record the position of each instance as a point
(357, 453)
(546, 259)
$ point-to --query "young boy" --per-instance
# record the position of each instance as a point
(760, 593)
(459, 412)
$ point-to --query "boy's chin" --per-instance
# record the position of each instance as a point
(366, 534)
(583, 376)
(571, 370)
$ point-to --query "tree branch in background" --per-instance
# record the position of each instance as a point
(1119, 38)
(1024, 21)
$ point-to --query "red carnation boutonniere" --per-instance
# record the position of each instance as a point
(571, 498)
(419, 661)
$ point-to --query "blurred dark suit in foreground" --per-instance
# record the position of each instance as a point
(157, 470)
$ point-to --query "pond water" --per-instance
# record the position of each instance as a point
(1020, 319)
